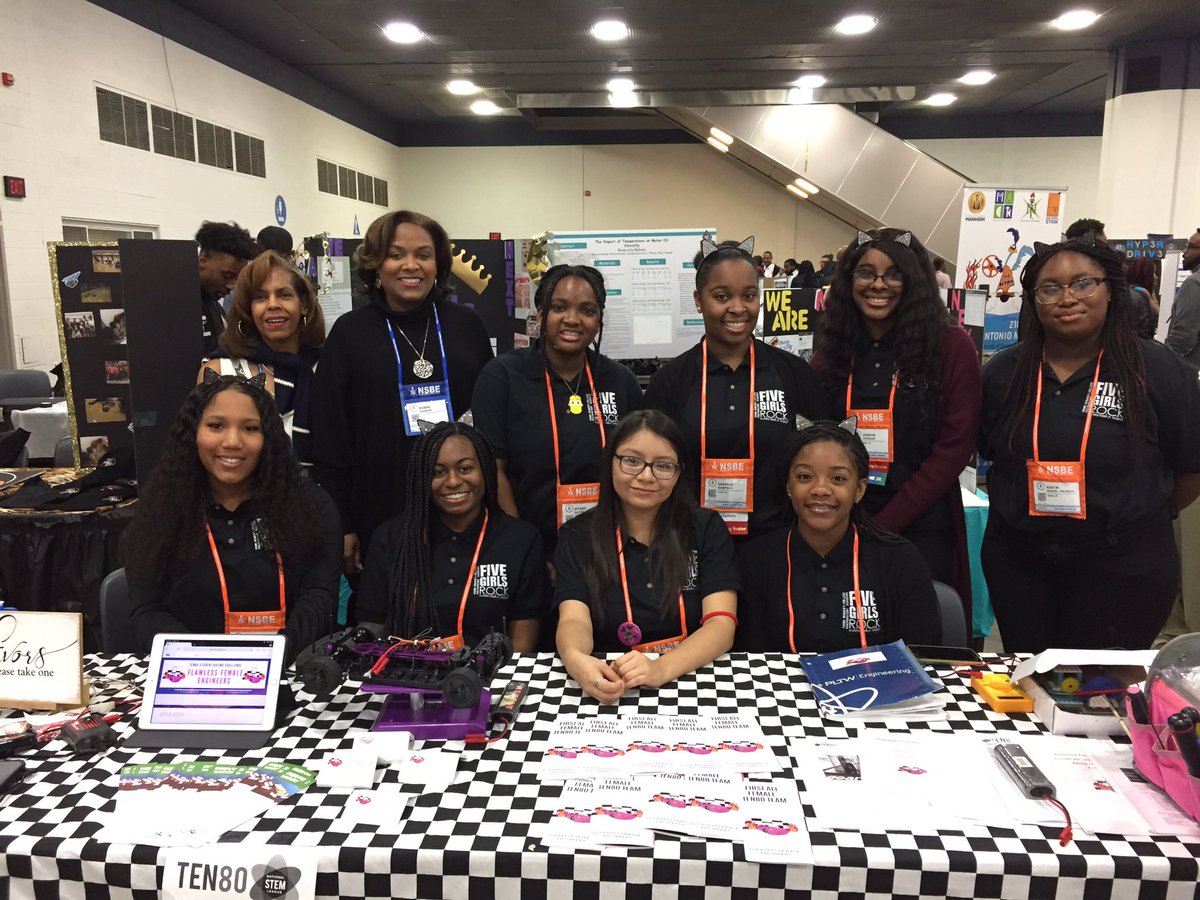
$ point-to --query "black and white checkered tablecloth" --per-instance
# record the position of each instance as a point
(474, 840)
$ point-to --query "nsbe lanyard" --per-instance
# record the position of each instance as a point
(629, 633)
(457, 641)
(726, 485)
(424, 407)
(1059, 488)
(233, 620)
(573, 499)
(862, 626)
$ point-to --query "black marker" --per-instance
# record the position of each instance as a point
(1137, 704)
(1184, 731)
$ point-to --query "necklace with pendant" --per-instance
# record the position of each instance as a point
(421, 367)
(574, 401)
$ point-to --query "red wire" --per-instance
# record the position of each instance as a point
(1064, 836)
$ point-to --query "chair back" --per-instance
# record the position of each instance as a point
(954, 625)
(24, 383)
(116, 632)
(64, 456)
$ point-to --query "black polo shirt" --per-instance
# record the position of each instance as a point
(897, 595)
(785, 385)
(510, 407)
(510, 579)
(1119, 490)
(192, 604)
(712, 569)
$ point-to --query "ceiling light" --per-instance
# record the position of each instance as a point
(799, 193)
(1076, 19)
(720, 146)
(622, 99)
(462, 87)
(800, 95)
(484, 108)
(806, 185)
(723, 136)
(610, 30)
(812, 80)
(403, 32)
(621, 85)
(940, 99)
(856, 25)
(978, 76)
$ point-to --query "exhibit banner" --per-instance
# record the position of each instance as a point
(997, 228)
(650, 278)
(789, 318)
(968, 310)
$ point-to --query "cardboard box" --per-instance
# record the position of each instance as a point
(1061, 721)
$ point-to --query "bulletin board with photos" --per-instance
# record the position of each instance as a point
(92, 337)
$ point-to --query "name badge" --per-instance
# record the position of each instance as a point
(574, 499)
(428, 401)
(1057, 489)
(727, 486)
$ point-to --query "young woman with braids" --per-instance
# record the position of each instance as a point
(1095, 440)
(228, 536)
(644, 572)
(546, 408)
(453, 566)
(887, 353)
(833, 579)
(734, 398)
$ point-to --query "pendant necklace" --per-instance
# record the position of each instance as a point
(421, 367)
(574, 401)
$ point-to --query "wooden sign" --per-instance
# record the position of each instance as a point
(41, 660)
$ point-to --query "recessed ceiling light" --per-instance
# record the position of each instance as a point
(610, 30)
(800, 95)
(622, 99)
(1076, 19)
(462, 87)
(713, 142)
(484, 108)
(621, 85)
(940, 99)
(978, 76)
(805, 185)
(723, 136)
(403, 32)
(799, 193)
(856, 24)
(812, 80)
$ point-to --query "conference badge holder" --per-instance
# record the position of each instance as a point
(728, 488)
(424, 402)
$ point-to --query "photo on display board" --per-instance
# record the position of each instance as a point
(112, 325)
(79, 324)
(105, 409)
(116, 371)
(106, 260)
(95, 293)
(92, 449)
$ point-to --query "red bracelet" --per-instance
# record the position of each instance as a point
(718, 612)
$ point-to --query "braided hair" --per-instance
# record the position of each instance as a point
(411, 609)
(550, 280)
(921, 317)
(169, 521)
(850, 442)
(1119, 339)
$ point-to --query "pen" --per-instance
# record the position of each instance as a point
(1137, 704)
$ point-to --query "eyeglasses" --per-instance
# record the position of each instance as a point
(1080, 288)
(660, 468)
(867, 276)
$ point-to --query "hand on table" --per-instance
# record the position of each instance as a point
(597, 678)
(636, 669)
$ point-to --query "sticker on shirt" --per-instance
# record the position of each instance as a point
(869, 609)
(1108, 403)
(771, 406)
(491, 580)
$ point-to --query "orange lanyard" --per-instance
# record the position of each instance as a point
(554, 418)
(862, 626)
(462, 606)
(704, 400)
(891, 397)
(212, 544)
(1087, 422)
(625, 589)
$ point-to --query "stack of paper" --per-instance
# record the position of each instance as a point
(874, 684)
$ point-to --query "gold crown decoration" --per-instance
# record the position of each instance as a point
(464, 270)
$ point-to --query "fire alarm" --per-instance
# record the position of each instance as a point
(7, 78)
(14, 187)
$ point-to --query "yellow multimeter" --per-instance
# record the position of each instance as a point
(1000, 693)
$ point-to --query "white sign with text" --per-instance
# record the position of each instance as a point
(41, 659)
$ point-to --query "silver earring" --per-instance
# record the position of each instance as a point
(378, 282)
(241, 326)
(303, 320)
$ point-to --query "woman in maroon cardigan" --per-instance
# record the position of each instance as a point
(887, 352)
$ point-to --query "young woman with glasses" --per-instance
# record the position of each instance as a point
(1095, 440)
(644, 573)
(887, 352)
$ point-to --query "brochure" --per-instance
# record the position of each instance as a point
(879, 682)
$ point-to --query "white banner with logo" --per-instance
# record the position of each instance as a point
(998, 227)
(268, 872)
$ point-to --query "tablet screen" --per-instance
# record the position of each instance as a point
(213, 681)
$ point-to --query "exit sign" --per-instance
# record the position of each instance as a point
(14, 187)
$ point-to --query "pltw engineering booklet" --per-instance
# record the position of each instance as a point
(873, 683)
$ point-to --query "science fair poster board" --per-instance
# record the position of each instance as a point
(650, 277)
(997, 228)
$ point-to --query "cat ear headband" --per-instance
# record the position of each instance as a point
(258, 381)
(850, 424)
(425, 426)
(904, 239)
(708, 246)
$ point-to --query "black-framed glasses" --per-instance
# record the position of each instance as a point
(660, 468)
(891, 277)
(1080, 288)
